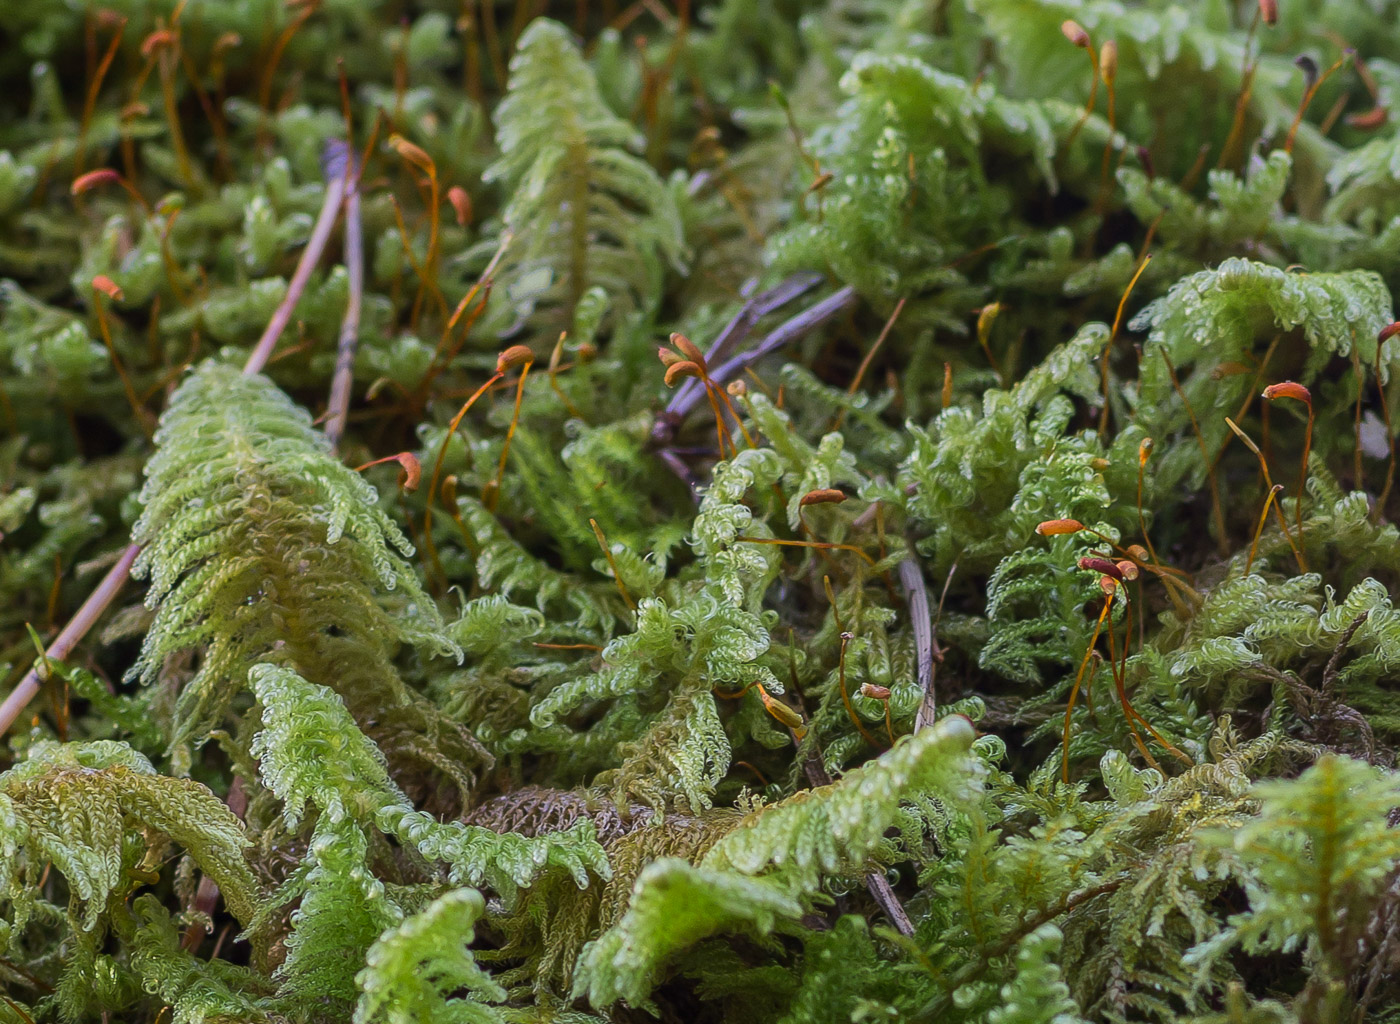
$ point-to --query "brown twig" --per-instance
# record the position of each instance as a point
(76, 629)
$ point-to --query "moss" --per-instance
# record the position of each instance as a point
(966, 618)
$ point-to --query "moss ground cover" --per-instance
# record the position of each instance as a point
(740, 511)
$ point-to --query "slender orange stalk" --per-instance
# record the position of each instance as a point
(486, 12)
(882, 694)
(692, 364)
(513, 356)
(418, 158)
(1135, 716)
(846, 637)
(1079, 678)
(448, 494)
(1247, 73)
(1144, 453)
(273, 59)
(724, 394)
(1108, 71)
(1113, 336)
(1129, 714)
(1295, 391)
(986, 317)
(820, 545)
(212, 113)
(164, 47)
(92, 179)
(103, 285)
(437, 469)
(554, 357)
(1076, 34)
(1259, 528)
(1308, 95)
(1269, 482)
(1252, 394)
(483, 285)
(94, 88)
(612, 564)
(820, 496)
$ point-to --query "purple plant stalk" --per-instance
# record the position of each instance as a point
(692, 392)
(338, 407)
(911, 578)
(334, 165)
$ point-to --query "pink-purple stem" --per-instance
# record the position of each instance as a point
(334, 166)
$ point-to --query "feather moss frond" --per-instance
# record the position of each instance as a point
(760, 873)
(97, 810)
(260, 546)
(314, 756)
(423, 969)
(584, 210)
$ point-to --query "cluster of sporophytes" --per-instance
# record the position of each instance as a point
(982, 610)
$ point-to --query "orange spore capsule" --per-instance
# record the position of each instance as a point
(514, 356)
(1074, 32)
(823, 496)
(685, 368)
(1288, 389)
